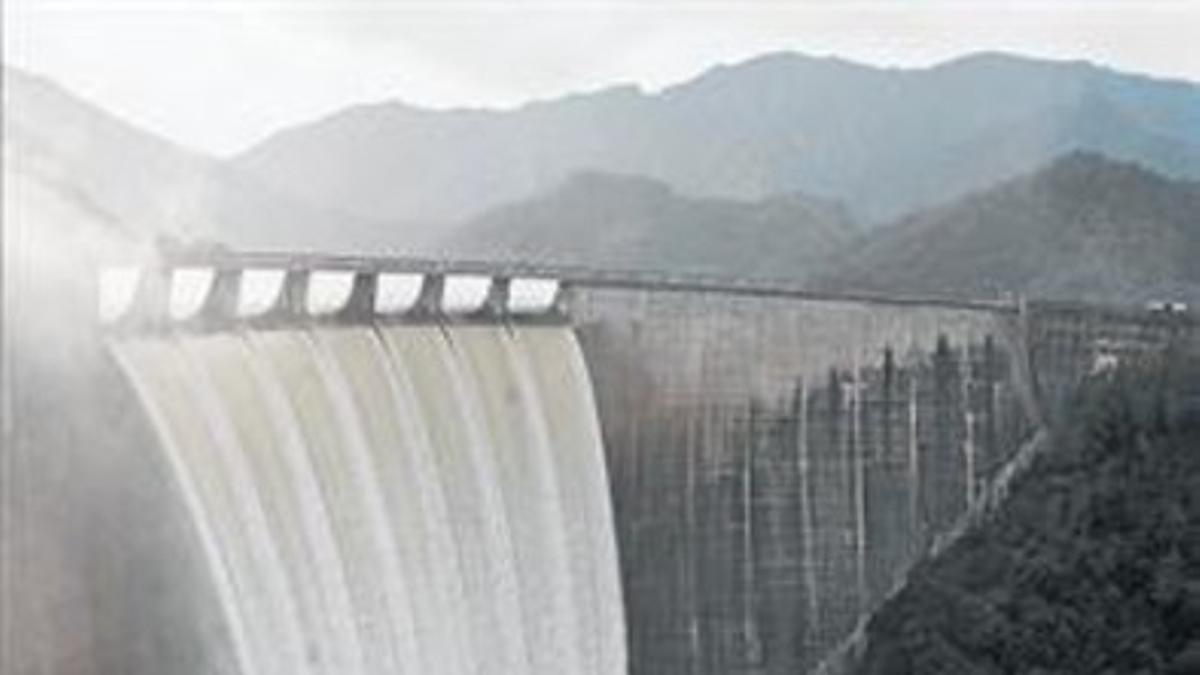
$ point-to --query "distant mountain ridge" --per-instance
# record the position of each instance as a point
(621, 222)
(1084, 227)
(885, 141)
(139, 186)
(120, 172)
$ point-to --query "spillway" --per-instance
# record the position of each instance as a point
(393, 499)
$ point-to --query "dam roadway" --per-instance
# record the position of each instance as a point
(775, 459)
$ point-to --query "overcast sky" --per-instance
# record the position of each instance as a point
(218, 76)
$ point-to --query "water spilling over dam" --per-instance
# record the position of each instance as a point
(266, 466)
(422, 499)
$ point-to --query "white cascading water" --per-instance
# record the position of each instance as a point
(408, 499)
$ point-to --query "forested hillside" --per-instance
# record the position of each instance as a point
(1093, 565)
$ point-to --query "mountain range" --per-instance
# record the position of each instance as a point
(885, 141)
(1118, 223)
(622, 222)
(1085, 227)
(138, 185)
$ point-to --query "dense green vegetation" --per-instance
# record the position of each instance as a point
(1092, 566)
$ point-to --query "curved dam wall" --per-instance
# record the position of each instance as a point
(779, 462)
(288, 493)
(656, 477)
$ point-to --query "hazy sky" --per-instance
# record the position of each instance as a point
(219, 75)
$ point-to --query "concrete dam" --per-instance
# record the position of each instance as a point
(284, 464)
